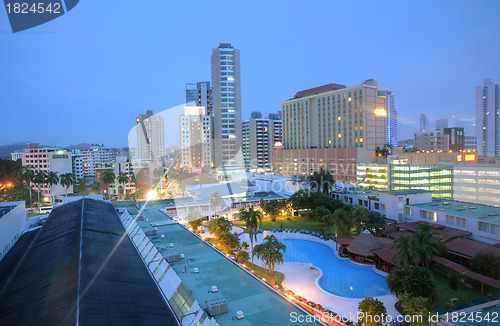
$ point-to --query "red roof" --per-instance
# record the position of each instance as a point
(387, 254)
(469, 248)
(468, 273)
(440, 231)
(319, 89)
(345, 240)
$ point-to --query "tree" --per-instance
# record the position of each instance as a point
(228, 242)
(416, 307)
(342, 221)
(322, 180)
(67, 180)
(95, 188)
(133, 181)
(271, 208)
(242, 256)
(454, 281)
(219, 225)
(28, 175)
(81, 186)
(375, 223)
(252, 219)
(406, 251)
(425, 245)
(214, 200)
(123, 179)
(487, 264)
(270, 252)
(244, 245)
(417, 281)
(194, 219)
(373, 312)
(324, 217)
(359, 216)
(52, 180)
(108, 178)
(39, 180)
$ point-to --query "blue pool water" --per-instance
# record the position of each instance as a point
(340, 277)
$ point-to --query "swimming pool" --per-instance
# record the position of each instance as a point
(340, 277)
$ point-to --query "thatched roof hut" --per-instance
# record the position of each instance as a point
(363, 244)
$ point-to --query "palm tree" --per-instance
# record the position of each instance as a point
(242, 256)
(426, 245)
(123, 179)
(359, 217)
(219, 225)
(270, 252)
(133, 181)
(486, 263)
(67, 180)
(341, 221)
(28, 175)
(322, 180)
(108, 178)
(39, 180)
(52, 180)
(95, 187)
(252, 219)
(214, 199)
(406, 251)
(81, 187)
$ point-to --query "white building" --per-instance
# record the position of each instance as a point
(424, 123)
(259, 136)
(17, 155)
(78, 170)
(195, 138)
(121, 164)
(470, 141)
(95, 157)
(478, 184)
(12, 224)
(488, 119)
(150, 136)
(49, 159)
(226, 83)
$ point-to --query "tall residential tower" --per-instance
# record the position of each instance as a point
(488, 119)
(150, 136)
(226, 83)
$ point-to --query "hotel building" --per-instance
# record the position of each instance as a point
(332, 127)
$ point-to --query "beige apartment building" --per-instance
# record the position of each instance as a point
(195, 139)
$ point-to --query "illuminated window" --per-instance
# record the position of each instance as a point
(340, 135)
(361, 140)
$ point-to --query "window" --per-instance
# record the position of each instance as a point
(408, 211)
(482, 226)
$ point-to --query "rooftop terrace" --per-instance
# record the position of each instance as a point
(483, 212)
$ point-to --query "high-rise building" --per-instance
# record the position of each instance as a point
(488, 118)
(196, 139)
(440, 140)
(278, 127)
(226, 83)
(150, 137)
(259, 137)
(93, 158)
(392, 117)
(333, 127)
(424, 123)
(201, 94)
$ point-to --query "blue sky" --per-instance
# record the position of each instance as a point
(85, 76)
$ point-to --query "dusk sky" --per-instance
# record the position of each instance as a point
(85, 76)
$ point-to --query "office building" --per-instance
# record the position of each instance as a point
(488, 119)
(332, 127)
(226, 83)
(259, 137)
(47, 160)
(92, 158)
(150, 137)
(470, 141)
(440, 140)
(200, 94)
(372, 176)
(195, 139)
(478, 184)
(392, 117)
(424, 123)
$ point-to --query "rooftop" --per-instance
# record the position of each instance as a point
(260, 305)
(80, 269)
(483, 212)
(405, 192)
(319, 89)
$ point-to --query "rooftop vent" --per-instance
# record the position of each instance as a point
(239, 315)
(493, 214)
(218, 307)
(473, 207)
(196, 270)
(214, 289)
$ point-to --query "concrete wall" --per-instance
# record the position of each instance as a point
(11, 225)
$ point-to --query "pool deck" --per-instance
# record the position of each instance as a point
(259, 304)
(303, 281)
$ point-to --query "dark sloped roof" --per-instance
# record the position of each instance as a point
(319, 89)
(364, 243)
(440, 231)
(81, 267)
(466, 272)
(469, 248)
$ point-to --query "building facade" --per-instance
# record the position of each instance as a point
(47, 160)
(150, 137)
(200, 94)
(479, 184)
(392, 117)
(424, 123)
(259, 137)
(488, 119)
(226, 82)
(470, 141)
(196, 139)
(331, 126)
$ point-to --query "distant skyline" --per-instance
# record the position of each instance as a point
(85, 76)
